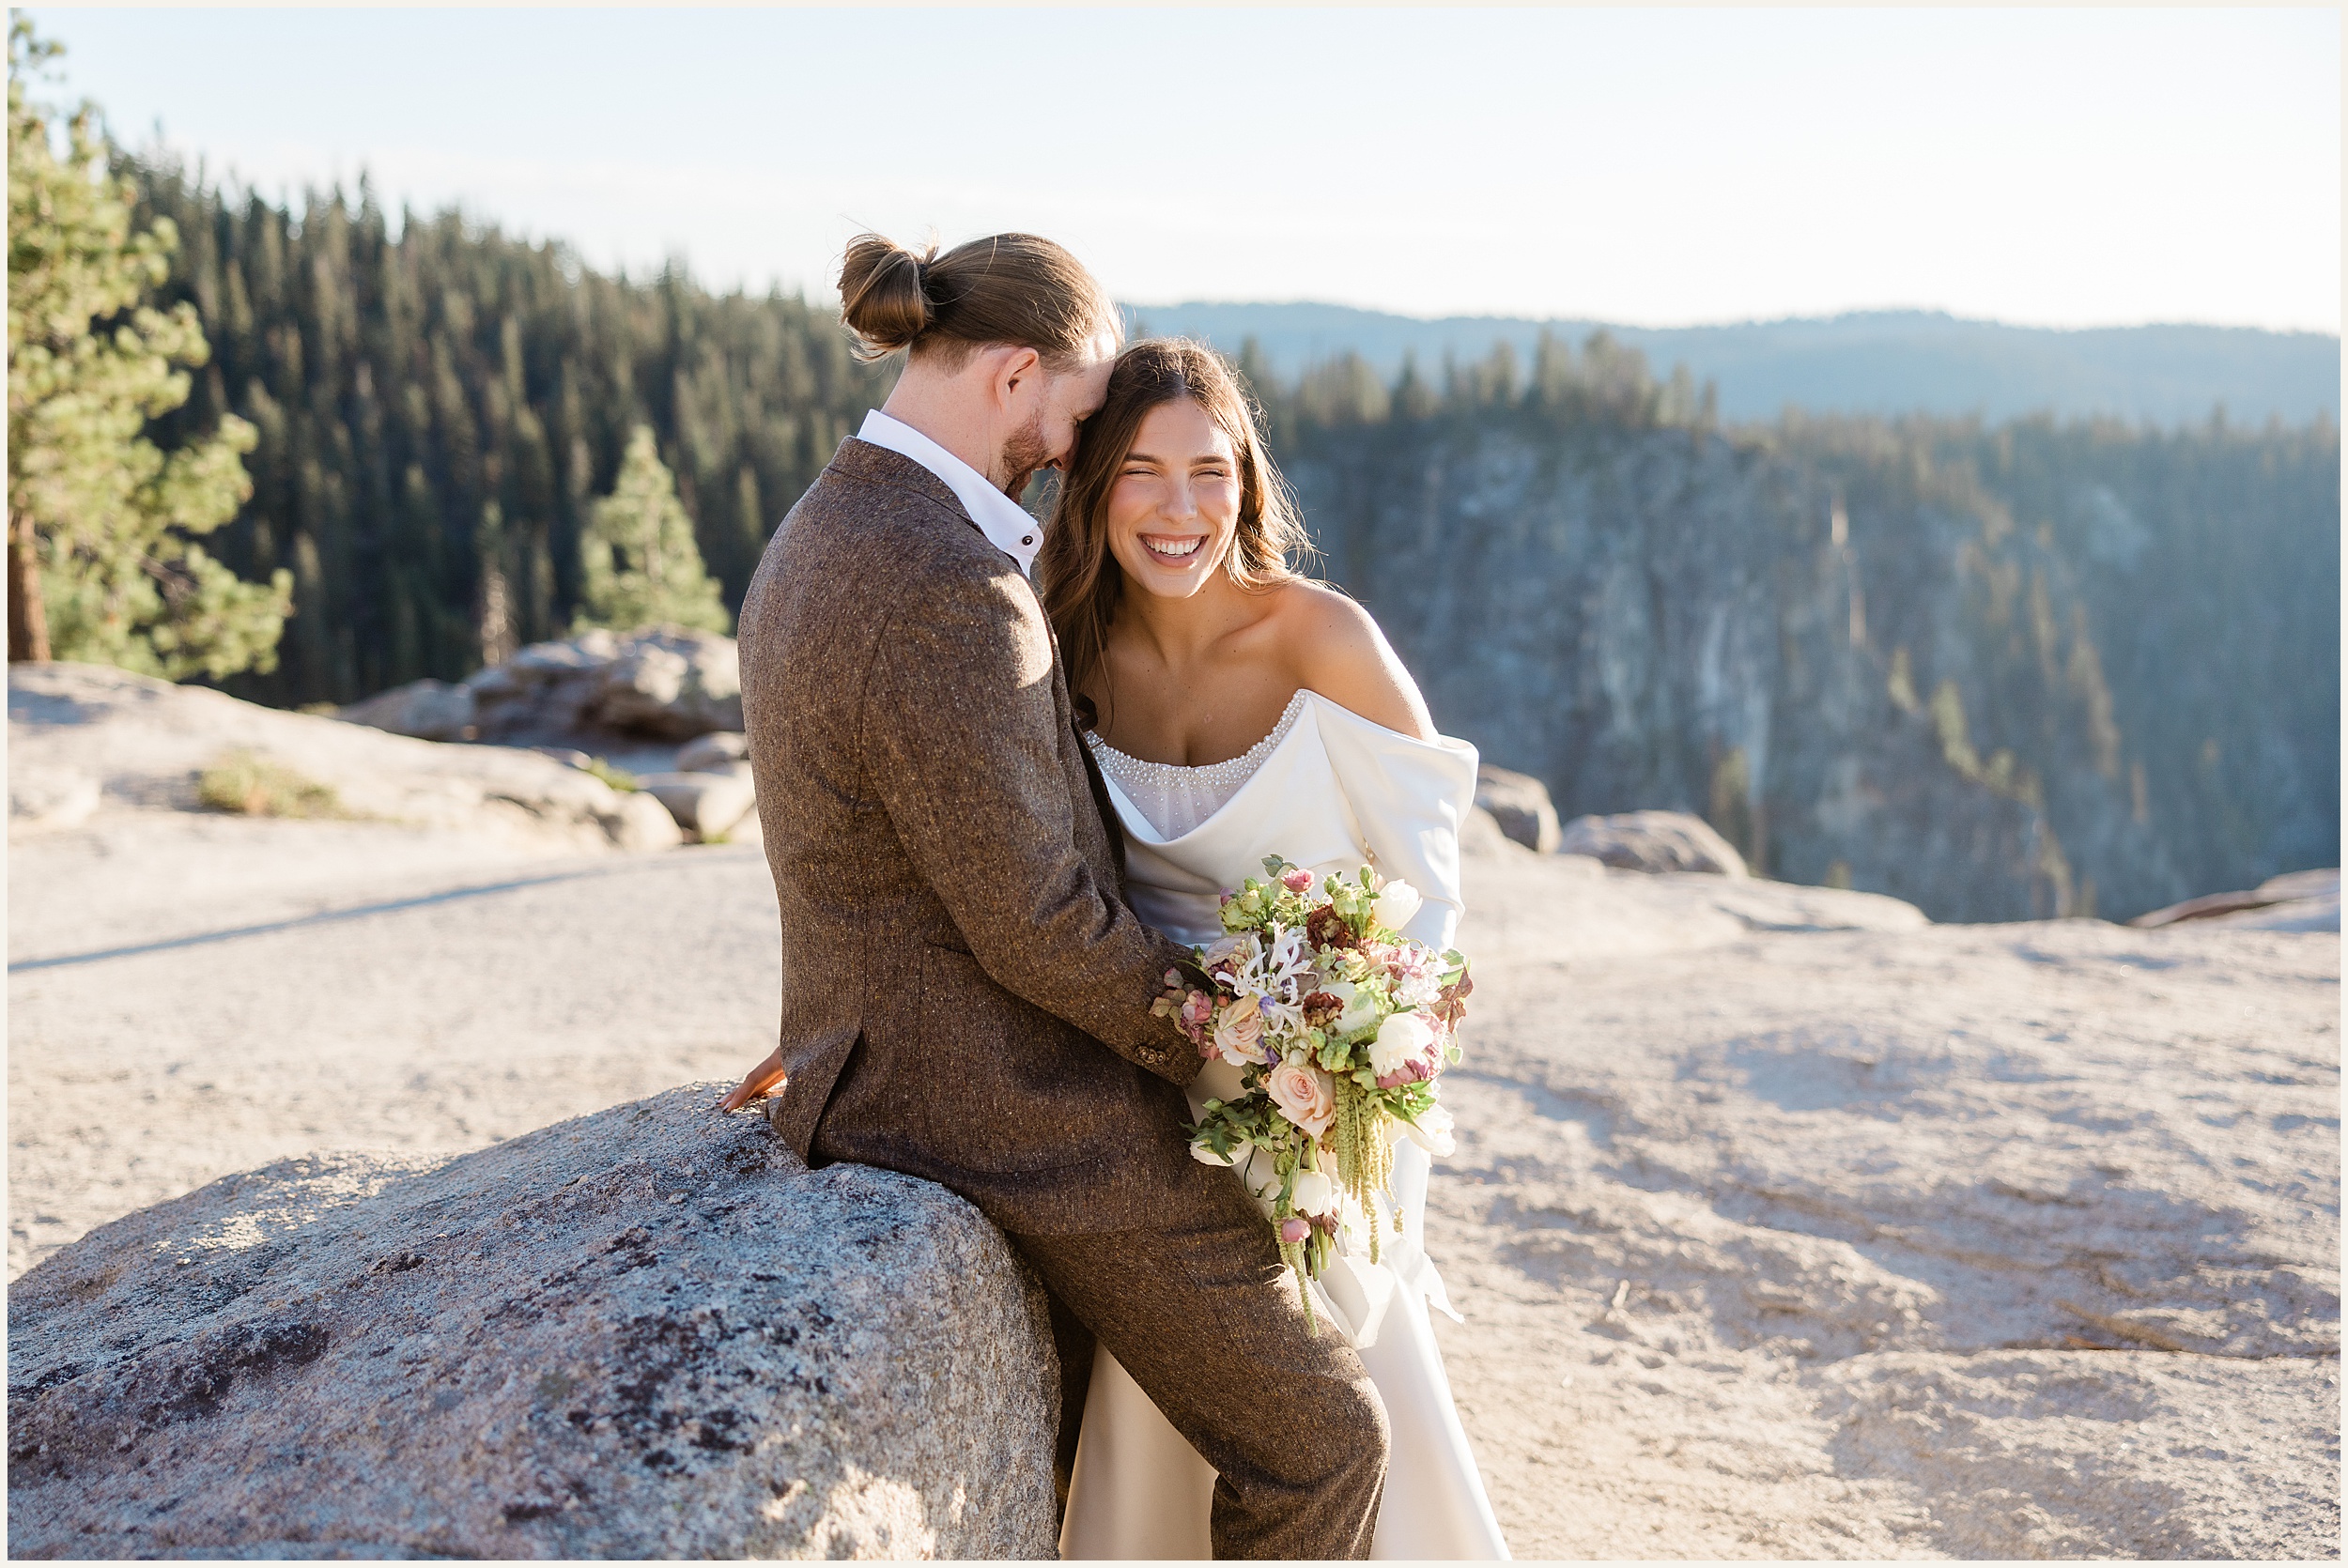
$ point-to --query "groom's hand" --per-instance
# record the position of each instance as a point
(763, 1080)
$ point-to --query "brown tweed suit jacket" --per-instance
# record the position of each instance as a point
(965, 995)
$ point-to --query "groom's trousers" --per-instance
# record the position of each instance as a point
(1200, 1310)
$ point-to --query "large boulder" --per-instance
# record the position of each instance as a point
(641, 821)
(1653, 841)
(142, 743)
(674, 684)
(427, 710)
(720, 751)
(2295, 902)
(1480, 838)
(649, 1332)
(666, 682)
(1520, 804)
(707, 804)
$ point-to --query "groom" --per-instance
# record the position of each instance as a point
(965, 995)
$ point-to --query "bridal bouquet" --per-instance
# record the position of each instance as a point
(1340, 1026)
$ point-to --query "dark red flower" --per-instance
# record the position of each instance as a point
(1325, 927)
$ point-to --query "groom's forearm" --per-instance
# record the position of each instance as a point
(1049, 934)
(1102, 975)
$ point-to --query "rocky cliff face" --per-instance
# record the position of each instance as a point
(2027, 672)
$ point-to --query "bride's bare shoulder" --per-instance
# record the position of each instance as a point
(1331, 645)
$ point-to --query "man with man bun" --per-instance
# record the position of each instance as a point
(967, 997)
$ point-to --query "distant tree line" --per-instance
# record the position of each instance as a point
(435, 414)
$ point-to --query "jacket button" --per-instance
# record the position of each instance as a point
(1026, 539)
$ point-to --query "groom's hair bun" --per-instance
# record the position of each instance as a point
(1015, 289)
(880, 295)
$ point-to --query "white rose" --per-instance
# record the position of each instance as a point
(1401, 1037)
(1205, 1155)
(1397, 902)
(1433, 1131)
(1314, 1194)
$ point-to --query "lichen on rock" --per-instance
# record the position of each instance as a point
(647, 1333)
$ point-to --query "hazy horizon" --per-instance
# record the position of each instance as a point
(1658, 169)
(1819, 316)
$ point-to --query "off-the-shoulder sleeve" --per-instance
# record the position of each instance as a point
(1409, 798)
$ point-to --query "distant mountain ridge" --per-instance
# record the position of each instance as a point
(1873, 362)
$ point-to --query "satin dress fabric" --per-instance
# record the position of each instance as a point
(1329, 791)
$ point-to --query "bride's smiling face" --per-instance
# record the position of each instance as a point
(1174, 505)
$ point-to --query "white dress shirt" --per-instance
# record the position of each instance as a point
(1003, 520)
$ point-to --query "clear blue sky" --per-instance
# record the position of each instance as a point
(2057, 167)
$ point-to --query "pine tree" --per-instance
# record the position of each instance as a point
(640, 565)
(103, 562)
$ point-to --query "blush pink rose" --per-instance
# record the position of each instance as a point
(1305, 1095)
(1238, 1028)
(1297, 880)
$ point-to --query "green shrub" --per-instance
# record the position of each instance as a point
(618, 778)
(253, 786)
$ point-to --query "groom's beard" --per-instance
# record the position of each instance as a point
(1023, 455)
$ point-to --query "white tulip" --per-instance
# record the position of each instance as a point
(1205, 1155)
(1397, 902)
(1399, 1038)
(1314, 1194)
(1433, 1131)
(1360, 1009)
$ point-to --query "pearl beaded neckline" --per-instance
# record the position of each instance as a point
(1177, 798)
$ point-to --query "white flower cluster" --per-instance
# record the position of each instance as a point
(1276, 976)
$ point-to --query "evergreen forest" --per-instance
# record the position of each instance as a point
(438, 407)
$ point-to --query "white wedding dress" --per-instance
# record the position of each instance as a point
(1332, 791)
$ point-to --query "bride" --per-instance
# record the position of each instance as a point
(1236, 711)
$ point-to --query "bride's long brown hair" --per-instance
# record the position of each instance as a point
(1082, 583)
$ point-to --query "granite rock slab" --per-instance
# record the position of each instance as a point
(647, 1333)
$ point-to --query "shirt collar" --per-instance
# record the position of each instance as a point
(1003, 520)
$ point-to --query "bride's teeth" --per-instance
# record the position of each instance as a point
(1188, 547)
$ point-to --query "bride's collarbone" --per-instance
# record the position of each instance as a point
(1200, 710)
